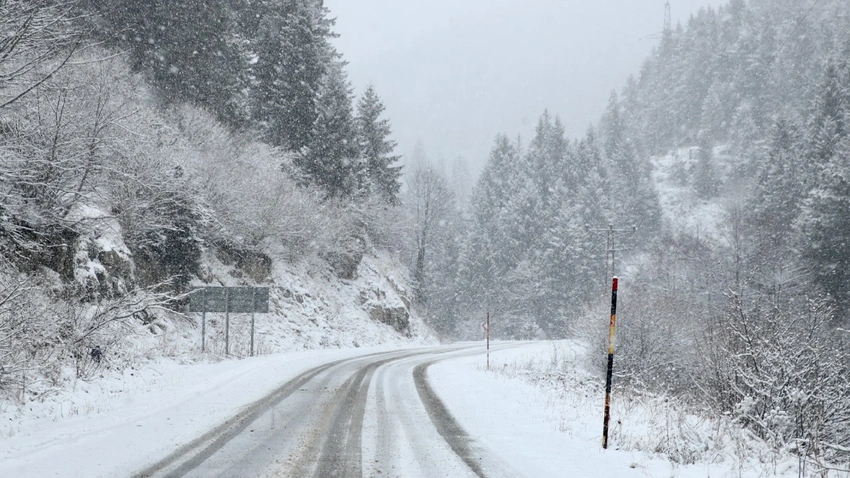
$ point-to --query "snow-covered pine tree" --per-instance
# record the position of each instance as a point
(825, 224)
(630, 176)
(484, 261)
(183, 48)
(827, 125)
(292, 54)
(376, 148)
(332, 159)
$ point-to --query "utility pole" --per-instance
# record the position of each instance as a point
(610, 247)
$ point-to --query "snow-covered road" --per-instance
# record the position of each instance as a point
(341, 413)
(313, 426)
(416, 412)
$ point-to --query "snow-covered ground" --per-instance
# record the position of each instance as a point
(534, 408)
(537, 408)
(312, 308)
(682, 208)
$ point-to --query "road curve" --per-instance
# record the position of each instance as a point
(374, 415)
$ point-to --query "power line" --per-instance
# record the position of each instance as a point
(796, 27)
(610, 248)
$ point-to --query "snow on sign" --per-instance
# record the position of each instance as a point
(230, 299)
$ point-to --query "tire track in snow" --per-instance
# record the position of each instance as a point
(480, 460)
(190, 456)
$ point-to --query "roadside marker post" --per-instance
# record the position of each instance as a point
(487, 330)
(611, 330)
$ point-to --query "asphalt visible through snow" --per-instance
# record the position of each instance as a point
(374, 415)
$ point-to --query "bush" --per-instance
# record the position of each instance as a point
(780, 371)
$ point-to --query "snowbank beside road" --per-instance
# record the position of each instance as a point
(547, 427)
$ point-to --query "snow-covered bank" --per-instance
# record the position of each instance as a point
(539, 410)
(310, 308)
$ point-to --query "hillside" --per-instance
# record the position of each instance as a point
(716, 186)
(124, 185)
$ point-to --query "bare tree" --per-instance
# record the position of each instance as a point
(432, 202)
(32, 34)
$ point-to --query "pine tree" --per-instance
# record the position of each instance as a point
(487, 249)
(292, 57)
(183, 48)
(826, 226)
(377, 148)
(775, 206)
(332, 159)
(705, 174)
(827, 125)
(630, 177)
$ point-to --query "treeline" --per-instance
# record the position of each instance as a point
(264, 66)
(750, 321)
(769, 84)
(531, 248)
(266, 72)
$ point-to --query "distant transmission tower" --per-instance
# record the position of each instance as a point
(668, 25)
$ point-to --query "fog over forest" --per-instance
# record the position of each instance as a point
(494, 66)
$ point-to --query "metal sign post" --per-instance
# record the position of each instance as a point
(227, 323)
(237, 300)
(611, 330)
(253, 301)
(204, 322)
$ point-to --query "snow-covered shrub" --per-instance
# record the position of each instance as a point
(250, 192)
(93, 334)
(654, 341)
(781, 371)
(27, 336)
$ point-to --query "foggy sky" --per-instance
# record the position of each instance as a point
(454, 73)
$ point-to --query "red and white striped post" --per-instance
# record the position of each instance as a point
(611, 329)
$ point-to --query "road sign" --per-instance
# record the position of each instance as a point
(236, 300)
